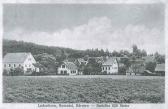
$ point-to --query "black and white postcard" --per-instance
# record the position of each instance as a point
(87, 54)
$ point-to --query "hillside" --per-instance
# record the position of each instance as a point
(20, 46)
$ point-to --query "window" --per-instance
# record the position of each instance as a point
(14, 65)
(106, 68)
(65, 72)
(74, 71)
(63, 66)
(62, 72)
(109, 68)
(4, 65)
(71, 71)
(19, 65)
(9, 65)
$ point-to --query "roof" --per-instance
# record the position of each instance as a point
(19, 57)
(109, 61)
(121, 64)
(136, 69)
(70, 65)
(81, 60)
(160, 67)
(149, 58)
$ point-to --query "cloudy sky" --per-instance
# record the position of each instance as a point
(77, 26)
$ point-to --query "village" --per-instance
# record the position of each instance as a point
(24, 63)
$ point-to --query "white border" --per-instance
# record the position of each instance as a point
(131, 106)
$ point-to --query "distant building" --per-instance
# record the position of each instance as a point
(137, 67)
(99, 60)
(110, 66)
(148, 59)
(81, 61)
(160, 69)
(20, 60)
(68, 68)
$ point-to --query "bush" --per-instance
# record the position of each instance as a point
(41, 73)
(5, 72)
(150, 66)
(16, 72)
(122, 70)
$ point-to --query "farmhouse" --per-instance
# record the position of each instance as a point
(137, 67)
(160, 69)
(98, 59)
(148, 59)
(19, 60)
(110, 66)
(81, 61)
(68, 68)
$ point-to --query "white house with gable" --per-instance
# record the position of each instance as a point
(110, 66)
(68, 68)
(22, 59)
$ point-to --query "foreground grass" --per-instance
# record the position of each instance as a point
(83, 90)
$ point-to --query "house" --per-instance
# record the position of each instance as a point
(110, 66)
(67, 68)
(81, 61)
(160, 69)
(148, 59)
(137, 67)
(99, 60)
(19, 60)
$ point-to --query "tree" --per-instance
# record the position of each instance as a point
(92, 68)
(135, 48)
(48, 61)
(5, 72)
(122, 70)
(150, 66)
(126, 62)
(143, 53)
(159, 58)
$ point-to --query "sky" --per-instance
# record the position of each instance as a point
(85, 26)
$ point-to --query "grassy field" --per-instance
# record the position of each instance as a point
(83, 89)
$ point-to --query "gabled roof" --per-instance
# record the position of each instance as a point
(70, 65)
(109, 61)
(81, 60)
(160, 67)
(149, 59)
(15, 57)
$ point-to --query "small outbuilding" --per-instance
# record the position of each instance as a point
(160, 69)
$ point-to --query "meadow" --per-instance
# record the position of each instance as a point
(83, 89)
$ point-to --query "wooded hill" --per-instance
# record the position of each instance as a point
(21, 46)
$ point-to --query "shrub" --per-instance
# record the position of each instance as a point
(150, 66)
(122, 70)
(16, 72)
(5, 72)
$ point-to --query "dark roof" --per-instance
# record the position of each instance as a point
(121, 64)
(149, 58)
(160, 67)
(15, 57)
(81, 60)
(70, 65)
(109, 61)
(138, 69)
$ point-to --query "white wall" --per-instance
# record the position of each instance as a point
(66, 69)
(113, 68)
